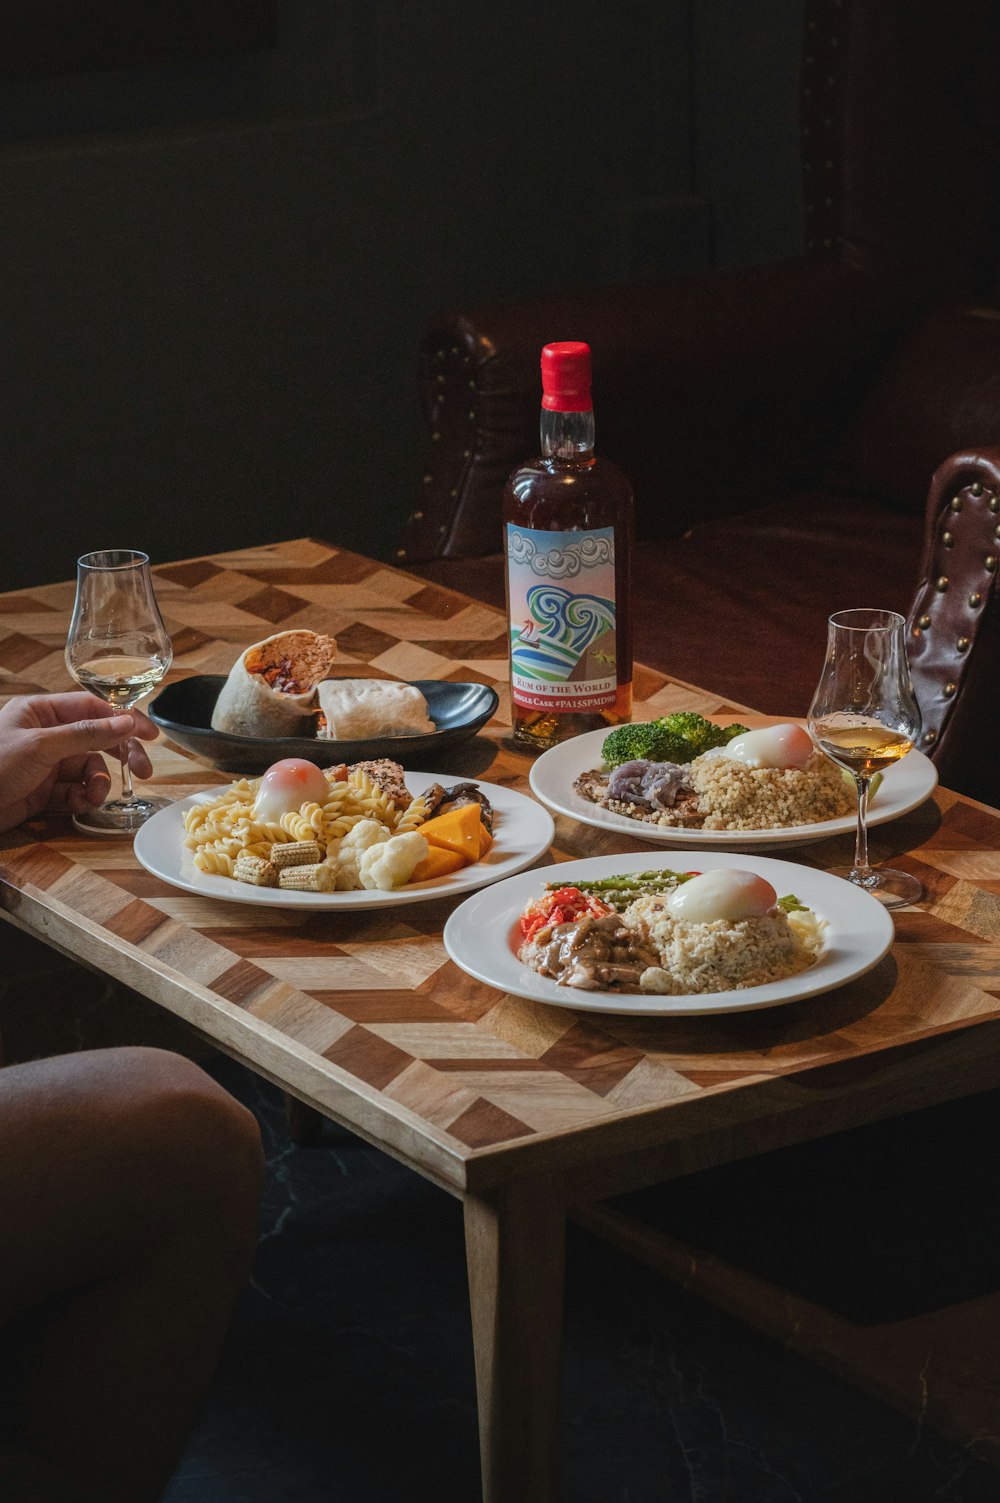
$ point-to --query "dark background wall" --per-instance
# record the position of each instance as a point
(215, 264)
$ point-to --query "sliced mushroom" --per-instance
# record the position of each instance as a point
(467, 793)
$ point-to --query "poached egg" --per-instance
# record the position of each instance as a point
(726, 894)
(286, 786)
(781, 746)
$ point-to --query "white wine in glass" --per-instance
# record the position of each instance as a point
(119, 649)
(864, 716)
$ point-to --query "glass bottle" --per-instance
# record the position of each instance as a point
(568, 525)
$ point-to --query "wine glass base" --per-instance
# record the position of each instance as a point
(119, 817)
(892, 888)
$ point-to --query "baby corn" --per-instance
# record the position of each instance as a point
(297, 853)
(255, 870)
(316, 877)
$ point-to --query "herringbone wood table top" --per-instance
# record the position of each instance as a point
(364, 1016)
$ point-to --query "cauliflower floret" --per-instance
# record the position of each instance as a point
(345, 855)
(391, 863)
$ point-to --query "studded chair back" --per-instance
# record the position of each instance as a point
(954, 624)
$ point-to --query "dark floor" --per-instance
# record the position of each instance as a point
(348, 1373)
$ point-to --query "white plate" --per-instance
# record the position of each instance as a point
(522, 832)
(904, 786)
(482, 936)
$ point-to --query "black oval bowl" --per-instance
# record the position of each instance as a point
(183, 710)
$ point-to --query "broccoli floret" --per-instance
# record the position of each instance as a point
(679, 737)
(648, 741)
(700, 734)
(730, 732)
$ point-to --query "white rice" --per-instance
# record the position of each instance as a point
(733, 796)
(723, 956)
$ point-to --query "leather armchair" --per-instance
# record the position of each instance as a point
(780, 424)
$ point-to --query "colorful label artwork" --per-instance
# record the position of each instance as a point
(562, 618)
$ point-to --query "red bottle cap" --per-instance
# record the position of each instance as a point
(566, 377)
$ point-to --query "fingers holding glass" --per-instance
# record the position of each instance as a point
(119, 649)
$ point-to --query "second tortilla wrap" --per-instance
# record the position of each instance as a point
(364, 709)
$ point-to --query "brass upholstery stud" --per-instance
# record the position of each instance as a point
(439, 378)
(996, 530)
(466, 453)
(428, 478)
(929, 738)
(962, 645)
(994, 503)
(975, 599)
(956, 503)
(416, 516)
(400, 552)
(453, 492)
(976, 488)
(435, 437)
(472, 417)
(942, 583)
(991, 564)
(948, 539)
(924, 621)
(949, 690)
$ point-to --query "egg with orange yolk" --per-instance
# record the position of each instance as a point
(781, 746)
(725, 894)
(286, 786)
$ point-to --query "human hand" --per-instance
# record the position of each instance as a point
(50, 747)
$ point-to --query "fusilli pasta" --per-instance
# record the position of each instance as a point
(217, 830)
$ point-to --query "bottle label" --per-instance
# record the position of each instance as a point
(561, 598)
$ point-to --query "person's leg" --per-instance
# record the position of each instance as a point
(129, 1186)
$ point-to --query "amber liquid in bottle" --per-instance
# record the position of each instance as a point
(568, 490)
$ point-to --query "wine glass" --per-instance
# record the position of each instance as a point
(864, 717)
(118, 648)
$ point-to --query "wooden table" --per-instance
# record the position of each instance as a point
(520, 1109)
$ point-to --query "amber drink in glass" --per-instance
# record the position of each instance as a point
(864, 716)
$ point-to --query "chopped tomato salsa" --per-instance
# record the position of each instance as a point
(564, 906)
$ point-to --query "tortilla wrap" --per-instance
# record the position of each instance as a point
(362, 709)
(271, 688)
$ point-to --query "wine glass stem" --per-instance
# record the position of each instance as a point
(862, 871)
(128, 792)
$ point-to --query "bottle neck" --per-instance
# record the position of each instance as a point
(567, 435)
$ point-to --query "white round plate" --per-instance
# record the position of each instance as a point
(482, 936)
(904, 786)
(522, 832)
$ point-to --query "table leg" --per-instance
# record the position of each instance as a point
(515, 1240)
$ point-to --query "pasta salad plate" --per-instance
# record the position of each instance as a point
(522, 831)
(904, 787)
(483, 935)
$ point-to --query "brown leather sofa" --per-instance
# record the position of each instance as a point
(781, 424)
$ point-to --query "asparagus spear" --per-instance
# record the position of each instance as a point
(631, 885)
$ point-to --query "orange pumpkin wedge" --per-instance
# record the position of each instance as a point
(437, 863)
(456, 830)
